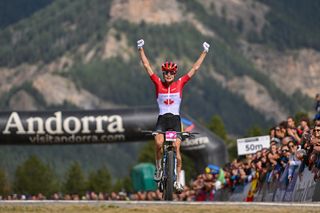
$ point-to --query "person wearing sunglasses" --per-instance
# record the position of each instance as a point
(294, 162)
(317, 107)
(169, 95)
(284, 158)
(314, 158)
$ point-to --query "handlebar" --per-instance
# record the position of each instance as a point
(183, 134)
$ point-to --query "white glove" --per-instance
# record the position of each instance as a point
(140, 43)
(206, 46)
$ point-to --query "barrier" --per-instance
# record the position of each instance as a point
(300, 189)
(240, 193)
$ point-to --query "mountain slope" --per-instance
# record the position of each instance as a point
(82, 55)
(11, 11)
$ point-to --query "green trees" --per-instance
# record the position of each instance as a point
(75, 180)
(254, 131)
(16, 10)
(4, 187)
(100, 180)
(292, 24)
(147, 154)
(216, 125)
(34, 177)
(299, 115)
(49, 33)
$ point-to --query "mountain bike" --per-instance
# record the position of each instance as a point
(169, 161)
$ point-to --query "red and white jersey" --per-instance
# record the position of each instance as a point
(169, 97)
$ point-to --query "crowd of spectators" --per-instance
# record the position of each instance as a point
(291, 148)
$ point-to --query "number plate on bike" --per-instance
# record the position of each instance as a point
(171, 136)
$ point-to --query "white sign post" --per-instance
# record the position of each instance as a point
(252, 145)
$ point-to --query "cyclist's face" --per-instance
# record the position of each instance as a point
(169, 76)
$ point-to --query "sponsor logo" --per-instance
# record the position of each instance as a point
(59, 125)
(168, 102)
(63, 139)
(171, 135)
(195, 142)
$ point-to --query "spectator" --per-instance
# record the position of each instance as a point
(283, 129)
(317, 107)
(293, 162)
(314, 159)
(56, 196)
(292, 130)
(286, 140)
(283, 160)
(114, 196)
(273, 155)
(280, 132)
(275, 140)
(304, 125)
(101, 196)
(123, 195)
(302, 156)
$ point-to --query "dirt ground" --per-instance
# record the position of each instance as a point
(132, 208)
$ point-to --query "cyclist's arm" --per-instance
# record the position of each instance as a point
(197, 65)
(145, 62)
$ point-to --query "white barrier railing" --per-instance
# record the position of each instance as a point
(300, 189)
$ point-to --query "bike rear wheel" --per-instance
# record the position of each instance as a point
(168, 189)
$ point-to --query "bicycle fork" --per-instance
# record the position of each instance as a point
(164, 161)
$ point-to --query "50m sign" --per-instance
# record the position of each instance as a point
(252, 145)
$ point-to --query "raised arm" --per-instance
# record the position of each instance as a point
(198, 63)
(143, 57)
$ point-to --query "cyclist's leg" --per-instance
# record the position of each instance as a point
(179, 159)
(177, 127)
(178, 186)
(159, 139)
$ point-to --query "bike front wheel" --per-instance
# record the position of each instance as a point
(168, 188)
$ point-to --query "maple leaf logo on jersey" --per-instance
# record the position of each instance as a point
(168, 102)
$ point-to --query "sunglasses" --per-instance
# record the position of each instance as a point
(169, 72)
(285, 150)
(317, 130)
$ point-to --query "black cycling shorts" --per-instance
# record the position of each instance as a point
(169, 121)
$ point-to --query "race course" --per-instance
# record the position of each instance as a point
(154, 207)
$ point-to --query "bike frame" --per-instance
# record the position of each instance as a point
(169, 161)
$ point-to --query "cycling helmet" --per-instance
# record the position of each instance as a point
(169, 66)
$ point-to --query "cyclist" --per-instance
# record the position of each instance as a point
(169, 94)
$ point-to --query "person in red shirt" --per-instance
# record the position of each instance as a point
(169, 96)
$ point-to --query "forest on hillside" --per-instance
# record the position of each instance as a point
(48, 30)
